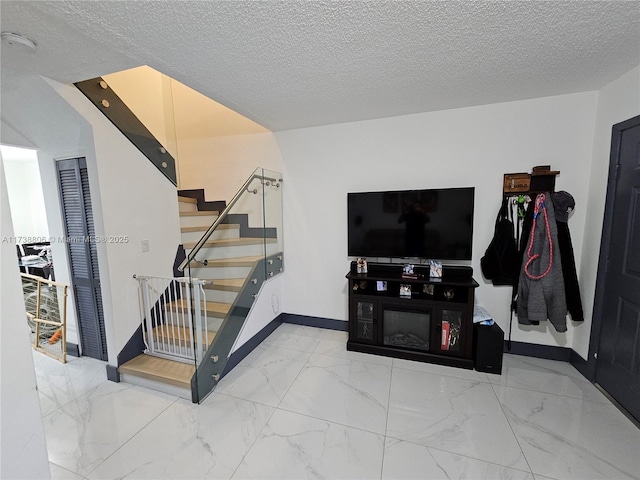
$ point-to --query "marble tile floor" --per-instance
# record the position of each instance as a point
(300, 406)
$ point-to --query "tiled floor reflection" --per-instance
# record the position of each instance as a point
(301, 406)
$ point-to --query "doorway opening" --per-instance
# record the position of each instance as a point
(41, 237)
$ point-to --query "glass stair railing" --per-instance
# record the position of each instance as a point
(139, 134)
(240, 251)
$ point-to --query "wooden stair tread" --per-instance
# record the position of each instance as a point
(249, 261)
(204, 228)
(217, 309)
(227, 284)
(232, 242)
(202, 213)
(160, 370)
(187, 200)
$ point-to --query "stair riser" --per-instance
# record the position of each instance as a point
(214, 273)
(157, 384)
(187, 207)
(217, 235)
(232, 251)
(186, 343)
(210, 314)
(213, 324)
(197, 221)
(220, 296)
(182, 343)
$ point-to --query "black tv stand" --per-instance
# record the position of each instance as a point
(422, 319)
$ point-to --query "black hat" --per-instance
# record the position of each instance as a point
(563, 205)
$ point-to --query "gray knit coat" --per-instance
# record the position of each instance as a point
(542, 299)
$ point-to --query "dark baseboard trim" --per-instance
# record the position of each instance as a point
(73, 349)
(113, 374)
(583, 366)
(624, 411)
(319, 322)
(549, 352)
(236, 357)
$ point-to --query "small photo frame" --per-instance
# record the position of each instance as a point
(381, 286)
(435, 269)
(405, 291)
(408, 272)
(361, 265)
(428, 288)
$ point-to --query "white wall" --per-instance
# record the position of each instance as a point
(131, 199)
(215, 148)
(618, 101)
(142, 89)
(227, 162)
(23, 451)
(455, 148)
(25, 195)
(264, 310)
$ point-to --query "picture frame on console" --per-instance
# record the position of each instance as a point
(435, 270)
(362, 265)
(405, 291)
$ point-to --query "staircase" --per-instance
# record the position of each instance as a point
(193, 225)
(223, 275)
(191, 322)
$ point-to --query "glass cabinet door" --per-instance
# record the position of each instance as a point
(451, 331)
(365, 321)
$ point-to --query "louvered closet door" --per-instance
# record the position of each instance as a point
(83, 257)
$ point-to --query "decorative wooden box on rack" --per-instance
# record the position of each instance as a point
(423, 319)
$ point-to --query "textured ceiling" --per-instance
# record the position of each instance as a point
(293, 64)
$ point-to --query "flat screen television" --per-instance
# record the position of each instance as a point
(431, 224)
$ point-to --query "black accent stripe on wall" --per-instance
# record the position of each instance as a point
(130, 126)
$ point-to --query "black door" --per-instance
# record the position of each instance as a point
(618, 363)
(80, 234)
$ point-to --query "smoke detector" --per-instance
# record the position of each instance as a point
(18, 43)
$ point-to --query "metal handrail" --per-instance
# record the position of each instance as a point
(225, 212)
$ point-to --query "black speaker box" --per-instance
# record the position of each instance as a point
(457, 271)
(488, 345)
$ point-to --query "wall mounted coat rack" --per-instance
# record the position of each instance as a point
(541, 179)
